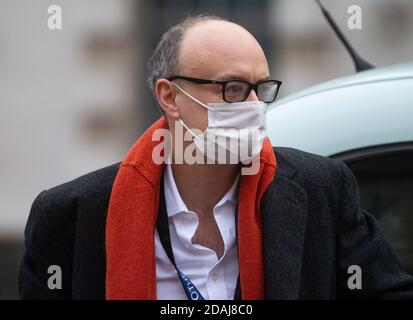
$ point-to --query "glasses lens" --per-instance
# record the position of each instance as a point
(267, 91)
(235, 91)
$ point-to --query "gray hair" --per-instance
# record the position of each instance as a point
(164, 62)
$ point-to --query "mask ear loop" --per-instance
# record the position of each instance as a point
(187, 128)
(196, 101)
(192, 98)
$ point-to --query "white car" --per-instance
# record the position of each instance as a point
(365, 120)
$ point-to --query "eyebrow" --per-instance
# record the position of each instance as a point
(231, 76)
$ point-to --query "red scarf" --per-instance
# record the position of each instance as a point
(131, 223)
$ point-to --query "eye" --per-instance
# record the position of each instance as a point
(234, 88)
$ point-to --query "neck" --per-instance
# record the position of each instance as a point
(201, 186)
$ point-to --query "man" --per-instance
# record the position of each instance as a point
(143, 229)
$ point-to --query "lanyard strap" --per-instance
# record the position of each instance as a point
(191, 290)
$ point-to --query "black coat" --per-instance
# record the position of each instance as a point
(313, 230)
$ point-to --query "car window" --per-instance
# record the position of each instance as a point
(386, 191)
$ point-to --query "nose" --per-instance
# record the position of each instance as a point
(252, 96)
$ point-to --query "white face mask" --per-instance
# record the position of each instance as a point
(237, 129)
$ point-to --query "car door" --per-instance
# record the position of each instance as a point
(385, 177)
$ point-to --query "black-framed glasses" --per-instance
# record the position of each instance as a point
(239, 90)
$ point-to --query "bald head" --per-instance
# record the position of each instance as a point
(217, 49)
(208, 46)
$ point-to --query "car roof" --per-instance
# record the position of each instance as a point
(368, 109)
(393, 72)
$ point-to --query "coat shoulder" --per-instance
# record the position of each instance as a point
(59, 204)
(303, 160)
(95, 184)
(309, 169)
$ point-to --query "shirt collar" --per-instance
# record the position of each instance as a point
(174, 202)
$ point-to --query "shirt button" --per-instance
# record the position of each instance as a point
(215, 276)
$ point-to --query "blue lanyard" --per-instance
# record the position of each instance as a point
(191, 290)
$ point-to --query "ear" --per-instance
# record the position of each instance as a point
(166, 94)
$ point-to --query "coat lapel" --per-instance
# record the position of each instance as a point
(284, 210)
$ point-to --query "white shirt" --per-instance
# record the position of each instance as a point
(215, 279)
